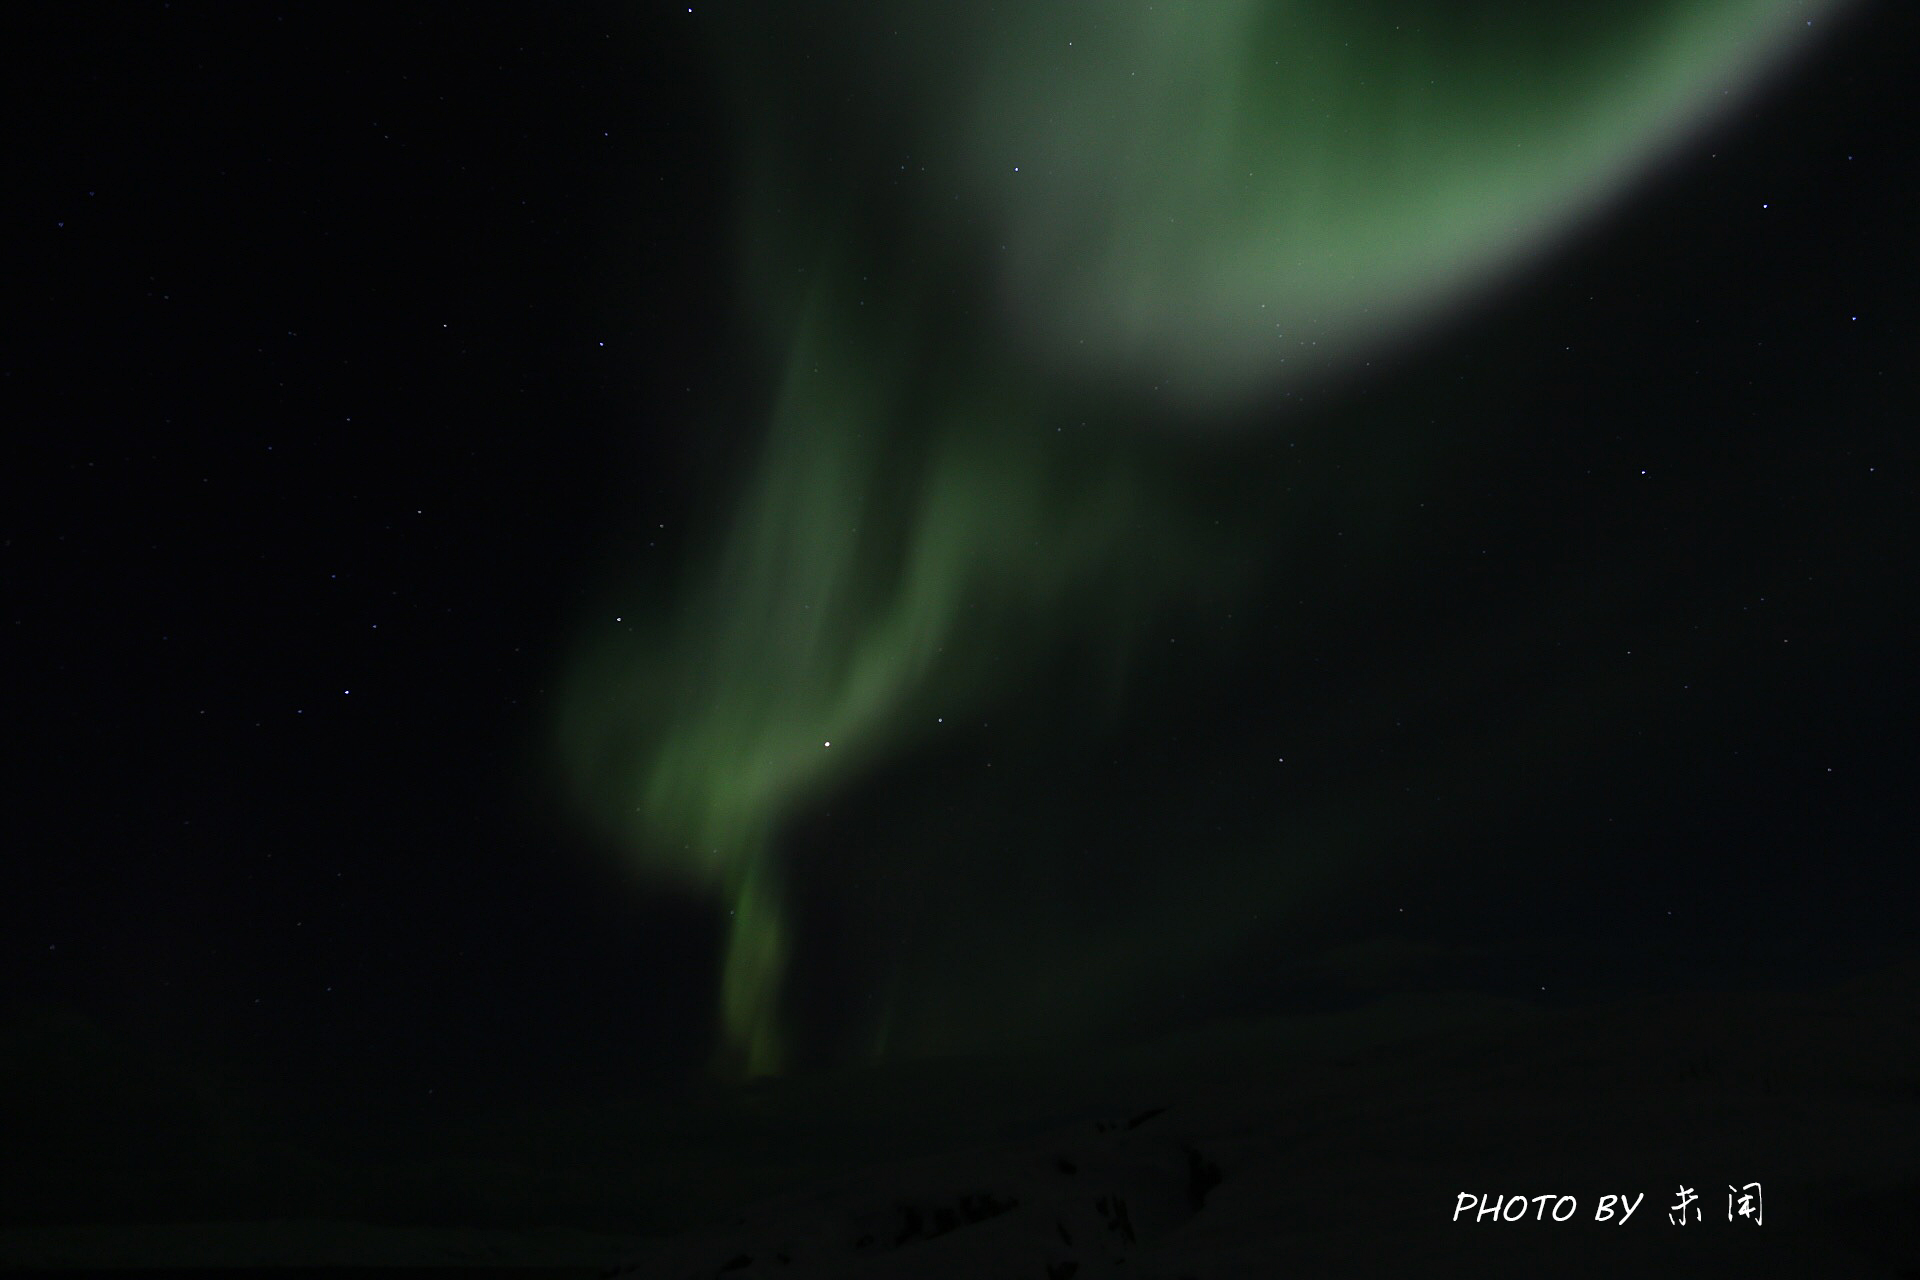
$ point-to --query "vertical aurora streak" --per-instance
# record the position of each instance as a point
(969, 225)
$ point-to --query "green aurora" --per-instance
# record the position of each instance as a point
(1017, 257)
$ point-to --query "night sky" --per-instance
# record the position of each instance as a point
(465, 464)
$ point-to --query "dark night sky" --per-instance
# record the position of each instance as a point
(349, 354)
(319, 403)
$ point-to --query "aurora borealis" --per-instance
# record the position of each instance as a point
(619, 608)
(1025, 273)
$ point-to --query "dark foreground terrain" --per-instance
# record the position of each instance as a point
(1329, 1145)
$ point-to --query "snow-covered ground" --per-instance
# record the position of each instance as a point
(1328, 1145)
(303, 1244)
(1253, 1156)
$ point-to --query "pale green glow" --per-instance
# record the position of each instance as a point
(967, 225)
(1223, 193)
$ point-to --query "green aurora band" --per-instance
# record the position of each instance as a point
(973, 229)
